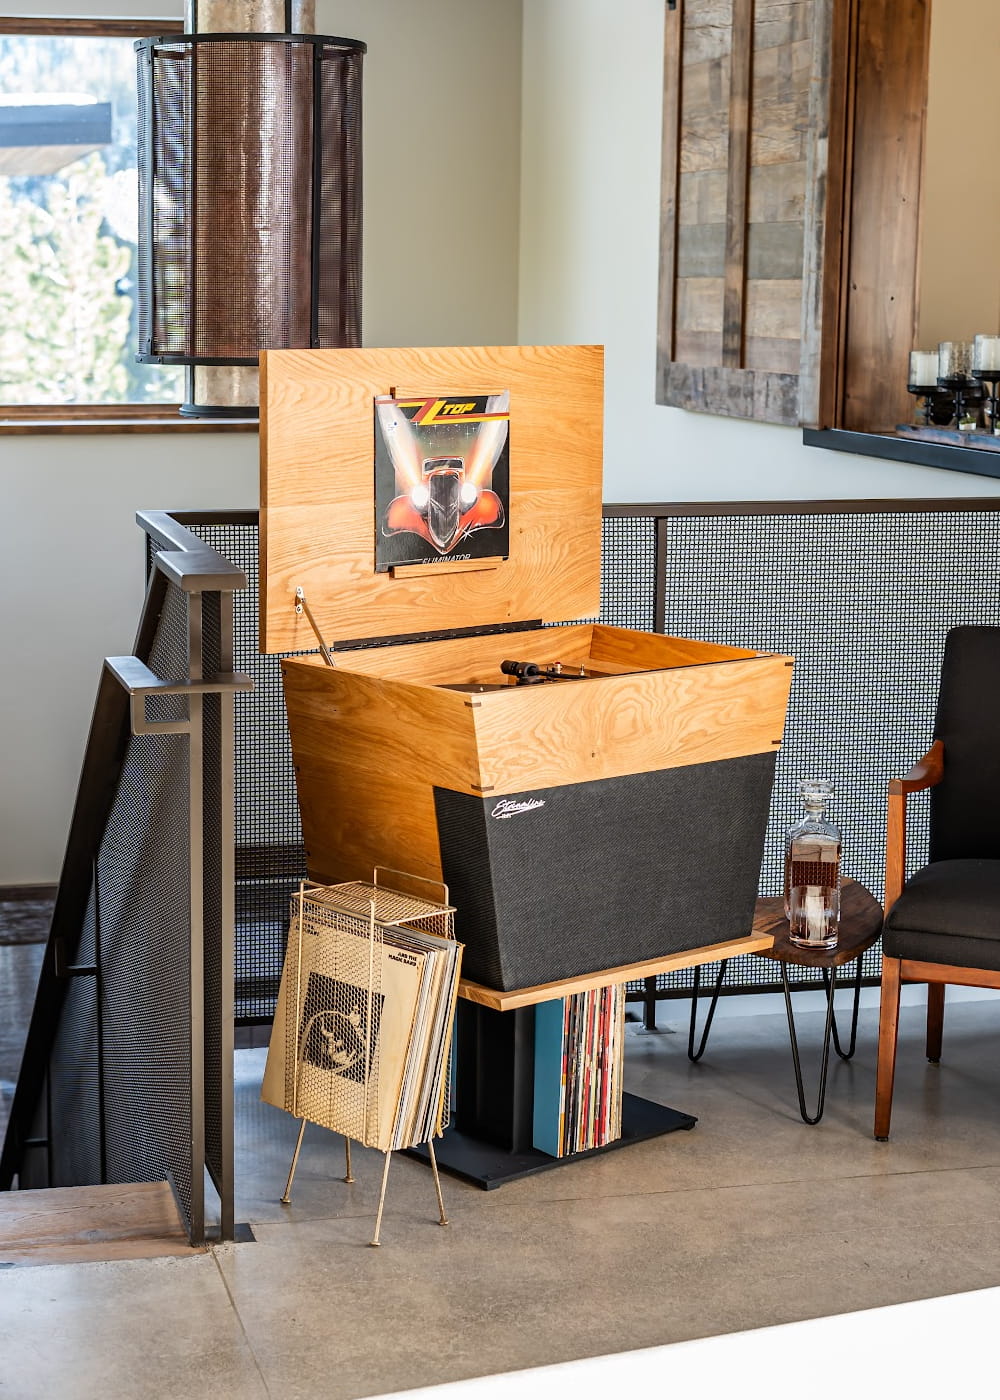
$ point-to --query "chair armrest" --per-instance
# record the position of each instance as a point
(928, 771)
(924, 774)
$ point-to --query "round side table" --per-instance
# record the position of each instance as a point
(860, 926)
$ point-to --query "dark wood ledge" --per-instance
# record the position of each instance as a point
(78, 426)
(906, 449)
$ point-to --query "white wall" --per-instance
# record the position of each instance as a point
(71, 585)
(590, 195)
(442, 134)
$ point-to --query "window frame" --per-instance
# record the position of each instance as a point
(104, 417)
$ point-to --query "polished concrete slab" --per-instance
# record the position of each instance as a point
(751, 1219)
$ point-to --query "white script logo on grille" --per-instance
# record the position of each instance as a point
(506, 809)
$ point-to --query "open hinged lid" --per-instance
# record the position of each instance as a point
(327, 530)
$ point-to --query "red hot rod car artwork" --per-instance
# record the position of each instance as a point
(444, 498)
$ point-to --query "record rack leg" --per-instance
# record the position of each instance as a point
(286, 1199)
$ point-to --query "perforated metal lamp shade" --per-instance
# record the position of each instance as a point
(249, 196)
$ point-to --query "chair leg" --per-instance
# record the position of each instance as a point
(935, 1020)
(888, 1027)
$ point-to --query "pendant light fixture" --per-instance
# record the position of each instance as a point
(249, 199)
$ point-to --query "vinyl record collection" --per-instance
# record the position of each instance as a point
(579, 1051)
(362, 1037)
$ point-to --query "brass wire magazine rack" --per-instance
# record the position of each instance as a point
(361, 1041)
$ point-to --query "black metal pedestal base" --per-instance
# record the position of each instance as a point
(483, 1164)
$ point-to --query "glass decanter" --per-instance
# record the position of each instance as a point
(812, 871)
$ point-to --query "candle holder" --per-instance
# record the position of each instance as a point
(962, 388)
(990, 377)
(928, 392)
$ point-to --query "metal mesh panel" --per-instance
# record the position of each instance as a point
(270, 856)
(339, 260)
(863, 602)
(74, 1078)
(227, 163)
(143, 876)
(628, 568)
(867, 642)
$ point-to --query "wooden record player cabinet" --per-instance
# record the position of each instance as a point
(580, 824)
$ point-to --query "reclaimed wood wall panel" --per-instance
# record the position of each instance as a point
(740, 82)
(737, 184)
(806, 312)
(882, 264)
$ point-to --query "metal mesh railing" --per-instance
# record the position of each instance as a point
(127, 1069)
(862, 599)
(270, 856)
(860, 596)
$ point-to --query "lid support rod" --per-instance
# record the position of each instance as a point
(302, 606)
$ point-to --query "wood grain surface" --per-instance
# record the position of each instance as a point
(82, 1224)
(880, 285)
(671, 962)
(743, 207)
(860, 926)
(373, 736)
(551, 736)
(317, 490)
(741, 73)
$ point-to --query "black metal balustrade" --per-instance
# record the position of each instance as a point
(127, 1071)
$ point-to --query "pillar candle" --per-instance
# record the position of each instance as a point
(986, 352)
(923, 368)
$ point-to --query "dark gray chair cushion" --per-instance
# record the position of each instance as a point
(949, 912)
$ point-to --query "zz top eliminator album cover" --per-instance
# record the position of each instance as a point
(442, 478)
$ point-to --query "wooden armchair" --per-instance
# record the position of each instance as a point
(943, 924)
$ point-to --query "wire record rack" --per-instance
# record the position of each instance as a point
(361, 1042)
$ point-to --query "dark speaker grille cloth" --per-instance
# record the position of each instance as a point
(558, 882)
(232, 135)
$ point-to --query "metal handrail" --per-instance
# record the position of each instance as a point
(125, 683)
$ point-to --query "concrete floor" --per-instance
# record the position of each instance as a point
(750, 1219)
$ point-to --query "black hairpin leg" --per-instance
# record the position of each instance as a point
(829, 1033)
(695, 1055)
(846, 1054)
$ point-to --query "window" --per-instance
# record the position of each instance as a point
(68, 222)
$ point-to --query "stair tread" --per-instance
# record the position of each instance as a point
(76, 1224)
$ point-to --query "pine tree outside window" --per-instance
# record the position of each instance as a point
(68, 224)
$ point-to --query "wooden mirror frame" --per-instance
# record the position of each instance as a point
(861, 219)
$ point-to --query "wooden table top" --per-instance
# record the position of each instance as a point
(860, 925)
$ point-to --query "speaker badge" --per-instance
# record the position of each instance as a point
(507, 808)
